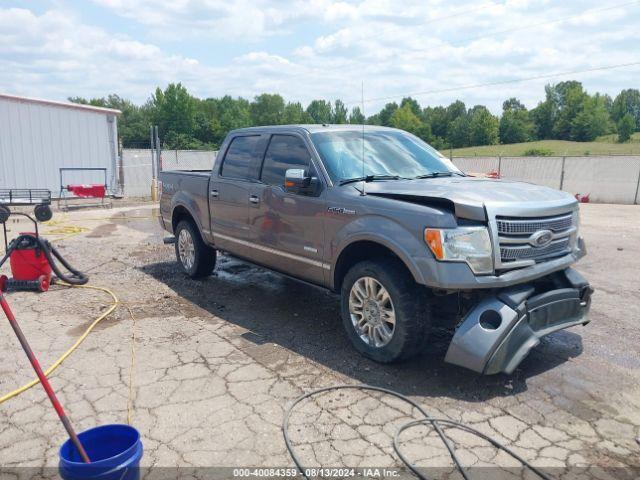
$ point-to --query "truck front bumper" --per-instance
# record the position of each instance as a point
(498, 333)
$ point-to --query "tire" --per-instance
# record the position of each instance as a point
(43, 213)
(198, 259)
(406, 299)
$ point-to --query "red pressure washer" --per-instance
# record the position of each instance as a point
(32, 259)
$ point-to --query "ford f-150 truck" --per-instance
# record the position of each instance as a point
(389, 223)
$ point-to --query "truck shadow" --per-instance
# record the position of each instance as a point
(306, 320)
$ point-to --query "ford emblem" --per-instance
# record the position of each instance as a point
(541, 238)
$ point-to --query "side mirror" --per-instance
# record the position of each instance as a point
(297, 180)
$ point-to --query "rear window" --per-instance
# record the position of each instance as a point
(239, 156)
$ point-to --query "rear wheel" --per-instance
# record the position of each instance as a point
(384, 311)
(195, 257)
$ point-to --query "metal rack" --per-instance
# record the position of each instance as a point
(65, 190)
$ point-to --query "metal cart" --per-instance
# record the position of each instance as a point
(80, 191)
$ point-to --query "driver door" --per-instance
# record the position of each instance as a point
(288, 228)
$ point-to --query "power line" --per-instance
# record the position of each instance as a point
(499, 32)
(498, 82)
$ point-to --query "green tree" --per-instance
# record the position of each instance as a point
(591, 121)
(384, 116)
(483, 127)
(570, 98)
(405, 119)
(455, 110)
(267, 109)
(437, 119)
(515, 124)
(544, 115)
(295, 114)
(340, 112)
(231, 113)
(320, 111)
(458, 133)
(627, 101)
(626, 127)
(173, 110)
(413, 105)
(356, 116)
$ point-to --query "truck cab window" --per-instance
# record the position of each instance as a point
(284, 152)
(239, 156)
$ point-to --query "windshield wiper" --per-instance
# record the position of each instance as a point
(437, 174)
(370, 178)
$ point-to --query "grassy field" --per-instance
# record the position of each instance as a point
(602, 146)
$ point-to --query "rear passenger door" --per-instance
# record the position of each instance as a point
(229, 192)
(288, 228)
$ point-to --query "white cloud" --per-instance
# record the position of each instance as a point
(420, 46)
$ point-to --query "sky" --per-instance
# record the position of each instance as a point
(430, 49)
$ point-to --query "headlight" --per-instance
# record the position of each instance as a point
(463, 244)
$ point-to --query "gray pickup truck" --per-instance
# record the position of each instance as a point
(407, 240)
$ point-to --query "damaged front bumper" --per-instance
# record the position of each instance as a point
(498, 333)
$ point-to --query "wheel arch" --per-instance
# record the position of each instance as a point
(360, 249)
(179, 213)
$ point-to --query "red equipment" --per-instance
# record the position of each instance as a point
(94, 190)
(30, 268)
(33, 259)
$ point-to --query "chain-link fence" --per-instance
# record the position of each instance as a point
(187, 159)
(136, 167)
(136, 172)
(605, 179)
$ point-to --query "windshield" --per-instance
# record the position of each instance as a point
(386, 153)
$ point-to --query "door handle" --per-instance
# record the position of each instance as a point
(214, 193)
(254, 199)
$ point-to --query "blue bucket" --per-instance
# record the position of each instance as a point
(115, 452)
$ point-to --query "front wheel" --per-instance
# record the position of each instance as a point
(384, 311)
(195, 257)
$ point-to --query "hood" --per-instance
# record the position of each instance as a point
(470, 196)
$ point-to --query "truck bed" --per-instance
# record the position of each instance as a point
(191, 186)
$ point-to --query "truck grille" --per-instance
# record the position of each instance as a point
(515, 235)
(516, 226)
(528, 252)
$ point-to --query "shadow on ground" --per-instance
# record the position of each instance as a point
(305, 320)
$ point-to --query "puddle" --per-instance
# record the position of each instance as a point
(103, 230)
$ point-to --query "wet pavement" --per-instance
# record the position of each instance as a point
(215, 363)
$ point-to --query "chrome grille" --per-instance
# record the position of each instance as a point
(517, 237)
(528, 252)
(521, 226)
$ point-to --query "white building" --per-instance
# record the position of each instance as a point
(37, 137)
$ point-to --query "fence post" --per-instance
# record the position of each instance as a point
(500, 165)
(564, 159)
(153, 153)
(635, 200)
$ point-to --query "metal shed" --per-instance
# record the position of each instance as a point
(37, 137)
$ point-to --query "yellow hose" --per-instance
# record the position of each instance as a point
(81, 339)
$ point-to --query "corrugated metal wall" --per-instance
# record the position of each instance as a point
(36, 139)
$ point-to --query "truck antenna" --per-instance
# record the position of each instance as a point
(364, 182)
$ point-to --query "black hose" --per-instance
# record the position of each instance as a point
(434, 422)
(76, 277)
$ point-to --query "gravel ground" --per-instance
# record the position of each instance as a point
(207, 367)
